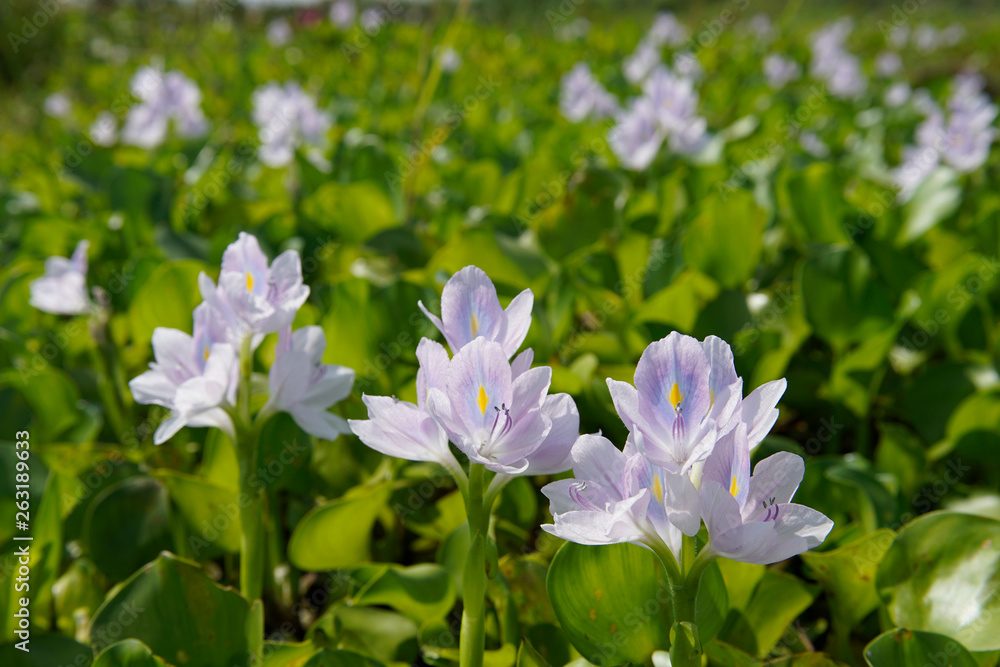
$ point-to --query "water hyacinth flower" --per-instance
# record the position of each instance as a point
(254, 297)
(897, 94)
(57, 105)
(304, 387)
(686, 395)
(888, 64)
(449, 60)
(279, 32)
(667, 30)
(342, 14)
(104, 130)
(193, 375)
(639, 65)
(812, 144)
(636, 138)
(833, 64)
(751, 518)
(581, 96)
(286, 118)
(618, 497)
(62, 289)
(165, 98)
(779, 71)
(470, 309)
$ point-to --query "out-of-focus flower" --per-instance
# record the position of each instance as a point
(195, 376)
(675, 102)
(374, 19)
(687, 65)
(581, 96)
(286, 118)
(57, 105)
(620, 497)
(897, 94)
(952, 35)
(833, 64)
(812, 144)
(926, 38)
(304, 387)
(636, 137)
(888, 64)
(449, 60)
(898, 36)
(470, 309)
(762, 28)
(62, 289)
(252, 297)
(165, 98)
(667, 30)
(751, 518)
(639, 65)
(104, 130)
(779, 70)
(342, 13)
(279, 32)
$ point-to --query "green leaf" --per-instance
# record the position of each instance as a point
(726, 239)
(600, 591)
(337, 534)
(47, 650)
(937, 198)
(847, 574)
(128, 653)
(355, 211)
(339, 658)
(913, 648)
(212, 512)
(421, 591)
(127, 525)
(179, 613)
(816, 196)
(166, 299)
(777, 601)
(527, 656)
(712, 604)
(941, 575)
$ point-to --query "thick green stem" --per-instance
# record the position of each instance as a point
(473, 636)
(684, 580)
(251, 515)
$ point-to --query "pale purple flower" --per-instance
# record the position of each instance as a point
(898, 36)
(494, 417)
(62, 289)
(373, 19)
(918, 163)
(279, 32)
(686, 395)
(470, 309)
(104, 130)
(675, 103)
(449, 60)
(304, 387)
(166, 98)
(888, 64)
(926, 38)
(639, 65)
(253, 297)
(687, 65)
(831, 62)
(57, 105)
(407, 431)
(195, 376)
(812, 144)
(779, 70)
(667, 30)
(953, 34)
(286, 118)
(342, 14)
(751, 518)
(637, 137)
(762, 27)
(897, 94)
(618, 497)
(581, 96)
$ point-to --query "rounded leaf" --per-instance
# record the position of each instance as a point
(912, 648)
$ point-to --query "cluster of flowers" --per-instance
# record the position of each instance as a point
(286, 118)
(196, 376)
(831, 63)
(687, 457)
(667, 109)
(961, 138)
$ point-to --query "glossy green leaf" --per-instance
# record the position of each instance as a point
(599, 591)
(777, 600)
(166, 299)
(128, 653)
(178, 612)
(941, 575)
(337, 534)
(422, 591)
(726, 239)
(127, 525)
(913, 648)
(46, 650)
(211, 512)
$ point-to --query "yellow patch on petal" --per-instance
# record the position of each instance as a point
(676, 396)
(206, 353)
(734, 487)
(484, 400)
(474, 325)
(249, 281)
(657, 489)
